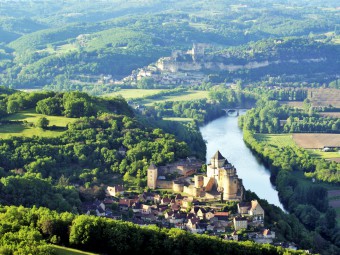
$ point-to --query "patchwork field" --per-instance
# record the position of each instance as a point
(330, 114)
(324, 97)
(18, 129)
(316, 140)
(292, 104)
(284, 140)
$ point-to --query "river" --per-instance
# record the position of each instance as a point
(223, 134)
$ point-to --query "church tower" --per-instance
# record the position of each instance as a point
(152, 176)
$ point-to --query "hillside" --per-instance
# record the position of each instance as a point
(78, 147)
(72, 45)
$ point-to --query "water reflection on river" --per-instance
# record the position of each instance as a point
(224, 134)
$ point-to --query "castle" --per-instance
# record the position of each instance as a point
(221, 178)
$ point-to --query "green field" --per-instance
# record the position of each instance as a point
(134, 93)
(59, 250)
(323, 154)
(30, 116)
(184, 96)
(277, 140)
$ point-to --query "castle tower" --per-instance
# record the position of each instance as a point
(218, 161)
(152, 176)
(225, 178)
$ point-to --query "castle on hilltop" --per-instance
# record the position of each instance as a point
(221, 177)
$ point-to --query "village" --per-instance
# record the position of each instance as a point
(212, 204)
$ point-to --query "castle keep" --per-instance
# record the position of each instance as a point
(221, 177)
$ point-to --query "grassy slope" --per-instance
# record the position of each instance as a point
(59, 250)
(30, 116)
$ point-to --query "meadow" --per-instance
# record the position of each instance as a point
(57, 125)
(133, 93)
(59, 250)
(276, 140)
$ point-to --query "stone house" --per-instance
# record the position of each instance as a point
(146, 209)
(256, 211)
(240, 223)
(115, 190)
(243, 207)
(221, 216)
(209, 215)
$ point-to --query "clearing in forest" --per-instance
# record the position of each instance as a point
(58, 123)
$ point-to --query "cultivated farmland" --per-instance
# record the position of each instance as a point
(316, 140)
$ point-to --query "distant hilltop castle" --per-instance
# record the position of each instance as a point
(221, 178)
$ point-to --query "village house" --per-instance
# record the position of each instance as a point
(157, 199)
(243, 207)
(253, 209)
(256, 211)
(209, 215)
(115, 190)
(136, 207)
(97, 207)
(265, 236)
(240, 223)
(221, 216)
(125, 204)
(193, 226)
(146, 209)
(187, 202)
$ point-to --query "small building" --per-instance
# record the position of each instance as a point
(256, 211)
(240, 223)
(243, 207)
(221, 216)
(115, 190)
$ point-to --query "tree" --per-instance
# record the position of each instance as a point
(13, 106)
(126, 177)
(42, 122)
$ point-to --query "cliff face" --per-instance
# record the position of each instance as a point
(171, 65)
